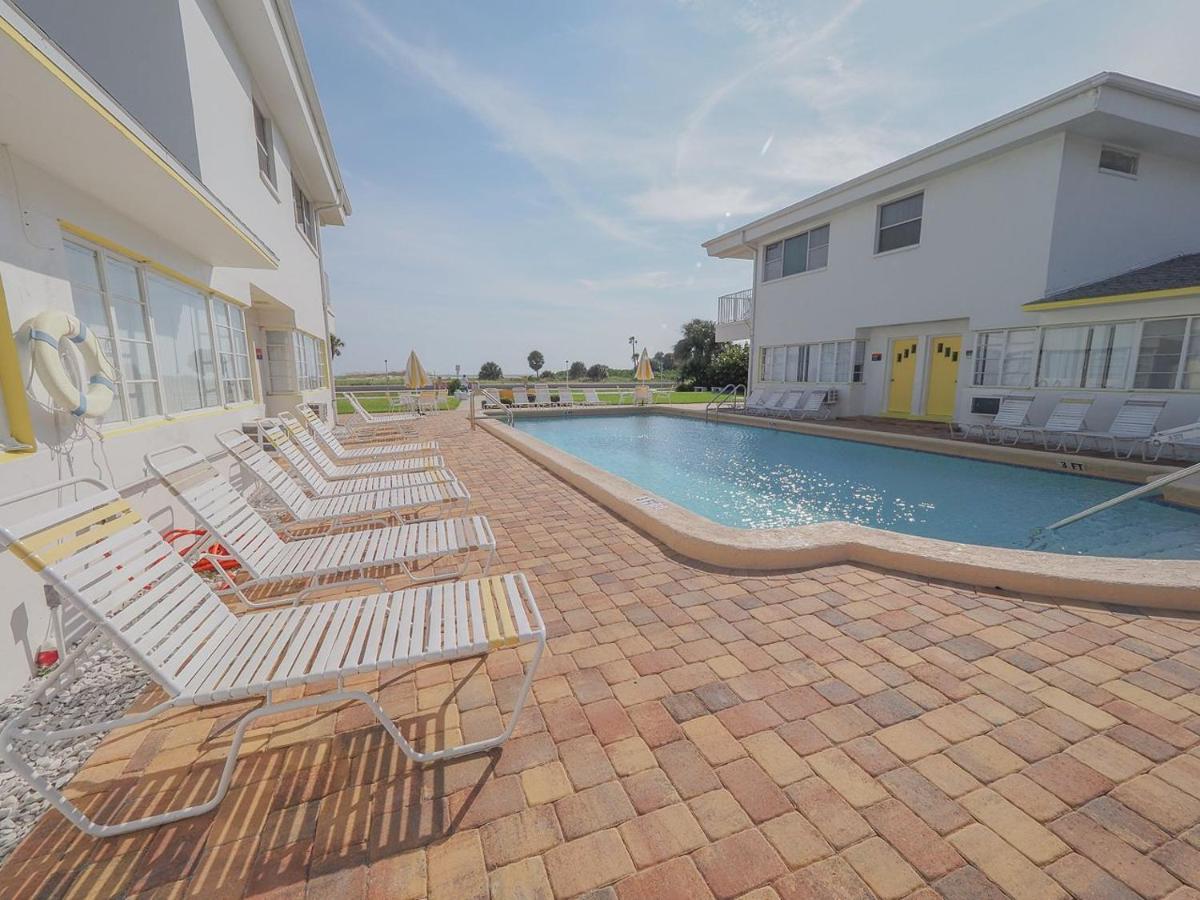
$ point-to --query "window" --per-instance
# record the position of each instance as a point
(263, 137)
(829, 361)
(801, 253)
(900, 223)
(1005, 358)
(1119, 161)
(295, 362)
(159, 335)
(1160, 353)
(233, 359)
(310, 368)
(1087, 356)
(184, 343)
(305, 219)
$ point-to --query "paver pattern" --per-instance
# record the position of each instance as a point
(840, 732)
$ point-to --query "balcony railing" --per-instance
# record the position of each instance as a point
(736, 307)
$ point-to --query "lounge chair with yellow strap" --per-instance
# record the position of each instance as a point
(137, 593)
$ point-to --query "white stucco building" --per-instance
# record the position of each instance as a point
(165, 170)
(1047, 250)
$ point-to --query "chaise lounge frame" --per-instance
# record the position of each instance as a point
(137, 593)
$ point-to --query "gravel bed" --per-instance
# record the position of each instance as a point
(110, 682)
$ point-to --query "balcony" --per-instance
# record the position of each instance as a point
(734, 312)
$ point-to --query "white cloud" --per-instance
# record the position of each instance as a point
(682, 202)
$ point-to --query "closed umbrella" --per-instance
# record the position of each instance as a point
(643, 374)
(414, 373)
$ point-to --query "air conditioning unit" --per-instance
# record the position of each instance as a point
(985, 406)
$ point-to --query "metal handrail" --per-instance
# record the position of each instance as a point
(725, 395)
(1149, 488)
(507, 411)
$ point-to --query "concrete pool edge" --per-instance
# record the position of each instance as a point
(1166, 584)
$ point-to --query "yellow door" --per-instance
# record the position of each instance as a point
(904, 369)
(943, 375)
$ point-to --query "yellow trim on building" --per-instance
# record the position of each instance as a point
(1037, 305)
(12, 387)
(141, 258)
(83, 94)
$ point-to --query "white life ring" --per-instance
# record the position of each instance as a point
(45, 331)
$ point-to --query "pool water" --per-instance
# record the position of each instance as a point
(751, 477)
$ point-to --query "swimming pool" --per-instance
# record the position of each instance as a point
(750, 477)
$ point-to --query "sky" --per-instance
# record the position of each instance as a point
(541, 175)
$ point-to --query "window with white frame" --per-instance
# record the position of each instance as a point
(184, 344)
(900, 223)
(310, 368)
(306, 219)
(1168, 355)
(799, 253)
(266, 144)
(1086, 356)
(156, 331)
(1005, 358)
(233, 358)
(826, 362)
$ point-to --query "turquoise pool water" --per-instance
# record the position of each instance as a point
(760, 478)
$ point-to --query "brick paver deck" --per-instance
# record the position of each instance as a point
(841, 732)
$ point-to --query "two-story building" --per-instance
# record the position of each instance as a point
(1050, 250)
(165, 170)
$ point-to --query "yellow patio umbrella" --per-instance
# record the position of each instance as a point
(643, 374)
(414, 373)
(645, 371)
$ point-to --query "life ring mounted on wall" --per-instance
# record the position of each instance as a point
(46, 331)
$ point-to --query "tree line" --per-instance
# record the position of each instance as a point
(695, 359)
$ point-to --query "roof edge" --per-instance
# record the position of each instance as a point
(291, 31)
(1095, 82)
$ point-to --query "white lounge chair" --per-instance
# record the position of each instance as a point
(268, 559)
(756, 399)
(395, 449)
(390, 505)
(520, 396)
(1011, 418)
(541, 395)
(590, 398)
(333, 446)
(1065, 424)
(140, 596)
(565, 397)
(334, 469)
(318, 484)
(769, 403)
(1133, 425)
(790, 406)
(1179, 440)
(819, 404)
(377, 421)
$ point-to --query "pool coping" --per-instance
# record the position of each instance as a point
(1166, 584)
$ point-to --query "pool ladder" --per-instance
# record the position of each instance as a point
(494, 400)
(728, 394)
(1149, 488)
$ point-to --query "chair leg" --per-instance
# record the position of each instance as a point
(462, 749)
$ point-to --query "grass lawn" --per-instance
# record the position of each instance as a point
(379, 405)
